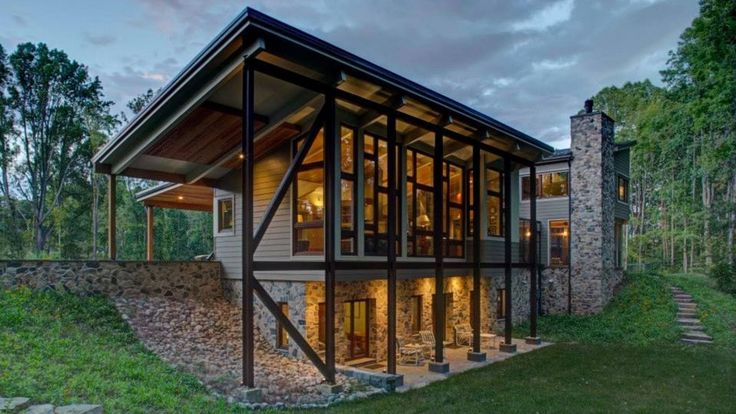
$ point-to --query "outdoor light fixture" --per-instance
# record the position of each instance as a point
(180, 198)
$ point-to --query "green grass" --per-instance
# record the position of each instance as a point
(579, 378)
(716, 309)
(64, 349)
(641, 313)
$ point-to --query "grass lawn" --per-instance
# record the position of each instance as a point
(62, 349)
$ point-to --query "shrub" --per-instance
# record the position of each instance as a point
(725, 276)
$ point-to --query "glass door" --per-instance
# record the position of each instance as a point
(356, 328)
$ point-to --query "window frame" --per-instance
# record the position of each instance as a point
(540, 185)
(352, 177)
(217, 228)
(619, 179)
(447, 205)
(294, 200)
(549, 243)
(498, 194)
(377, 191)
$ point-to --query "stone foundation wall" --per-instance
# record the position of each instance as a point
(555, 290)
(196, 280)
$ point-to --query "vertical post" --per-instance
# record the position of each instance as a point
(391, 248)
(476, 354)
(507, 346)
(149, 233)
(330, 220)
(533, 269)
(439, 289)
(246, 210)
(112, 248)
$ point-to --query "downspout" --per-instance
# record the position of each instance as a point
(569, 239)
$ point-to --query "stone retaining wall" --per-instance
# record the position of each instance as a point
(555, 290)
(195, 280)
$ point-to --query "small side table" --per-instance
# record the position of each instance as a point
(491, 337)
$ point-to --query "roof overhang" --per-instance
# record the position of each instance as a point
(217, 67)
(177, 196)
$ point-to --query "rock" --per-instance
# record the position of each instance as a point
(79, 409)
(39, 409)
(11, 405)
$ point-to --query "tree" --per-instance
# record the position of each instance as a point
(53, 102)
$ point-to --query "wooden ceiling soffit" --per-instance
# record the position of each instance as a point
(202, 137)
(185, 197)
(165, 176)
(273, 139)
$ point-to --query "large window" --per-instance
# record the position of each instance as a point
(494, 189)
(375, 188)
(225, 222)
(347, 191)
(559, 243)
(309, 209)
(622, 191)
(549, 185)
(420, 204)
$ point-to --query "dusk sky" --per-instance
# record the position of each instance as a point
(529, 64)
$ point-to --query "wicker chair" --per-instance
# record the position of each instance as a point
(463, 334)
(409, 354)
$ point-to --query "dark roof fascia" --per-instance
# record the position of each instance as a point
(397, 81)
(250, 16)
(623, 145)
(144, 194)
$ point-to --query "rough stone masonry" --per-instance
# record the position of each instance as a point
(593, 184)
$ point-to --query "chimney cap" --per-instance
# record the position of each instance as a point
(588, 106)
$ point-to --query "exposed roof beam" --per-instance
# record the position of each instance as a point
(277, 119)
(178, 206)
(372, 116)
(231, 110)
(164, 176)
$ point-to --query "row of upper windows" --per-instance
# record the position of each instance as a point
(308, 211)
(557, 184)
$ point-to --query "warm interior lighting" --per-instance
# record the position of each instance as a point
(564, 233)
(424, 221)
(241, 156)
(180, 198)
(528, 233)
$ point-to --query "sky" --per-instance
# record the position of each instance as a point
(527, 63)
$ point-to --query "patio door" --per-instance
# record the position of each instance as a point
(356, 328)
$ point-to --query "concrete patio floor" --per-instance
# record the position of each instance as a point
(417, 376)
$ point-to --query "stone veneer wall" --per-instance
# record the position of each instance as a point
(593, 186)
(554, 290)
(196, 280)
(304, 299)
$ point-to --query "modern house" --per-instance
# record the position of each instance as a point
(360, 207)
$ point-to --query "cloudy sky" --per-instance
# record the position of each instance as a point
(527, 63)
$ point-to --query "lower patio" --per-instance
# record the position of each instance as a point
(417, 375)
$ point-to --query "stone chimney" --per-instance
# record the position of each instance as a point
(592, 194)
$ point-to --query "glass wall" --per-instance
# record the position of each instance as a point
(494, 189)
(308, 208)
(348, 208)
(549, 185)
(559, 236)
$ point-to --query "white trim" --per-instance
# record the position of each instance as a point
(216, 222)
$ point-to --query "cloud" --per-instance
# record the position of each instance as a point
(547, 17)
(99, 39)
(529, 64)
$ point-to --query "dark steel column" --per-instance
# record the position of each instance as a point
(246, 210)
(533, 338)
(475, 306)
(330, 219)
(439, 288)
(112, 248)
(507, 346)
(391, 248)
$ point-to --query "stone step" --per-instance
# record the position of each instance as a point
(682, 295)
(687, 305)
(687, 315)
(696, 341)
(697, 335)
(688, 321)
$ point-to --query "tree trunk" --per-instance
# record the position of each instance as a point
(95, 206)
(731, 200)
(707, 204)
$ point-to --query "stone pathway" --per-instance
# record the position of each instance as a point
(687, 319)
(23, 405)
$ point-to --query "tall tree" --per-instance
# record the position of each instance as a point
(51, 98)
